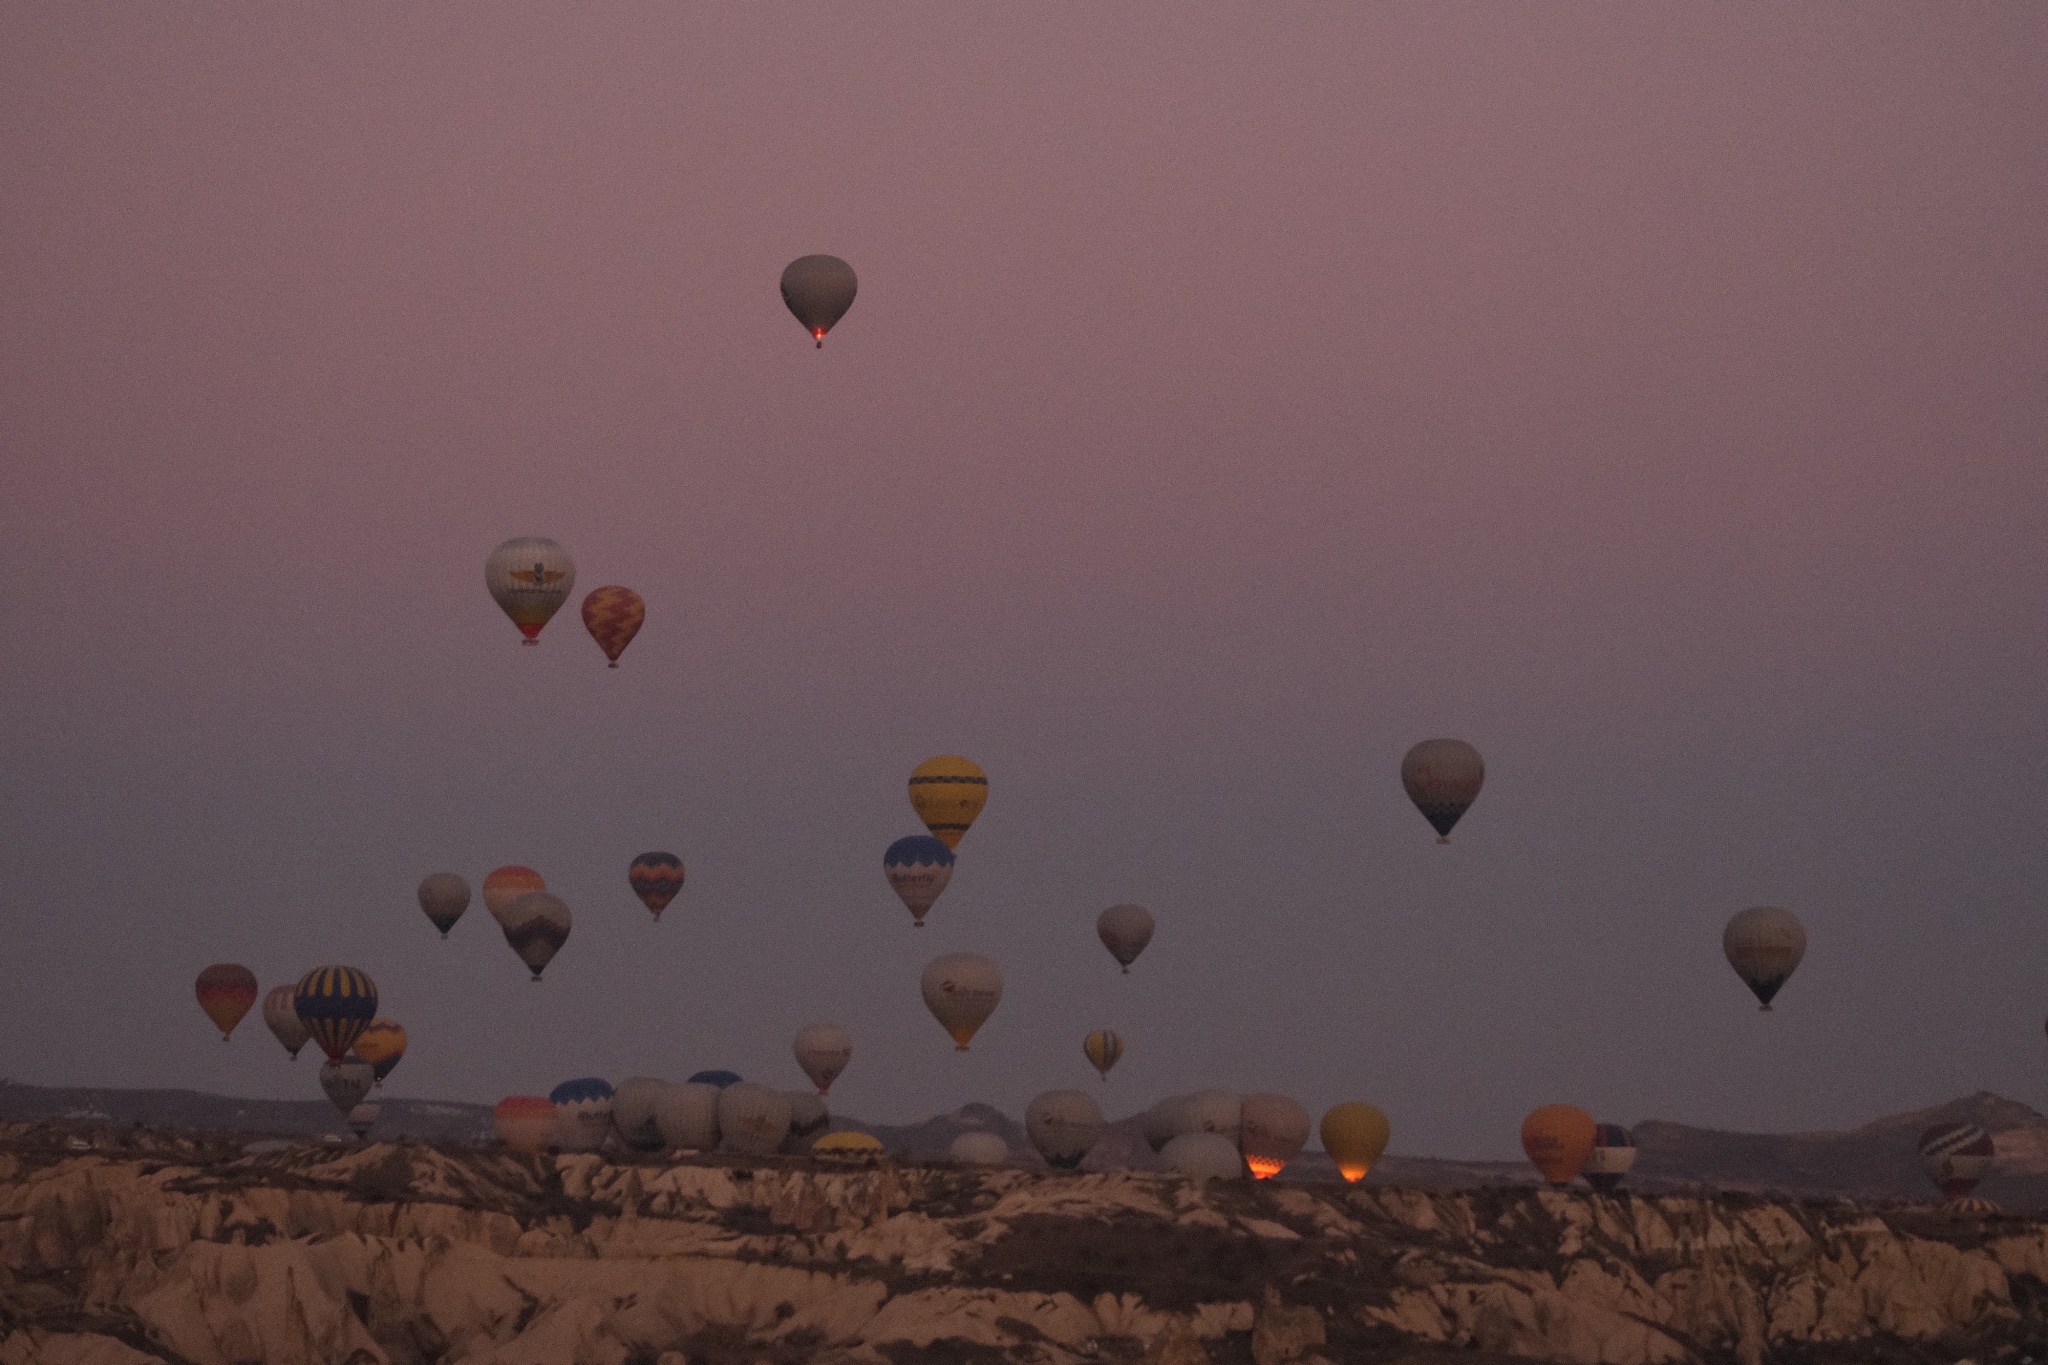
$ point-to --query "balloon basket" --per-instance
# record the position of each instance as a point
(611, 665)
(530, 644)
(1441, 838)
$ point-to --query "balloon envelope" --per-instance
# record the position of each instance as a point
(1212, 1111)
(347, 1082)
(1125, 930)
(335, 1004)
(226, 990)
(1272, 1130)
(443, 898)
(848, 1144)
(962, 991)
(633, 1107)
(1442, 777)
(979, 1149)
(1354, 1134)
(721, 1079)
(613, 615)
(1764, 945)
(1956, 1156)
(283, 1018)
(537, 925)
(1558, 1139)
(530, 577)
(1064, 1125)
(807, 1118)
(1612, 1157)
(382, 1045)
(583, 1113)
(1163, 1121)
(1205, 1156)
(524, 1123)
(1103, 1047)
(687, 1116)
(818, 290)
(918, 867)
(657, 879)
(947, 792)
(508, 884)
(752, 1119)
(823, 1050)
(363, 1116)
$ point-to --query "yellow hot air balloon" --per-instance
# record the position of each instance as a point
(382, 1045)
(947, 792)
(1558, 1139)
(1104, 1047)
(848, 1144)
(1354, 1134)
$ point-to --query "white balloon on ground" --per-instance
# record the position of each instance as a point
(752, 1119)
(823, 1050)
(1125, 930)
(1163, 1121)
(1064, 1125)
(979, 1149)
(347, 1082)
(1272, 1130)
(687, 1116)
(633, 1112)
(1206, 1156)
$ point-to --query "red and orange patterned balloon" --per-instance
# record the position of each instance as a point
(226, 990)
(613, 616)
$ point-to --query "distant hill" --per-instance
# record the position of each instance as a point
(1873, 1163)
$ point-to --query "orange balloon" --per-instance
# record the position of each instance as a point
(508, 884)
(1558, 1139)
(613, 616)
(225, 991)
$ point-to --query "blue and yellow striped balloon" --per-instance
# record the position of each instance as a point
(1103, 1047)
(335, 1004)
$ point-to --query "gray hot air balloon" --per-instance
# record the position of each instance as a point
(1764, 944)
(1163, 1121)
(1064, 1125)
(1272, 1130)
(281, 1013)
(633, 1112)
(1125, 930)
(362, 1117)
(1442, 778)
(823, 1050)
(1206, 1156)
(687, 1116)
(752, 1119)
(808, 1117)
(443, 898)
(529, 578)
(537, 925)
(347, 1082)
(1212, 1111)
(819, 290)
(961, 990)
(979, 1149)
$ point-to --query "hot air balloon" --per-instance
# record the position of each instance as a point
(537, 925)
(1614, 1154)
(613, 616)
(362, 1117)
(525, 1123)
(1103, 1047)
(961, 990)
(1203, 1156)
(1956, 1156)
(752, 1119)
(1354, 1134)
(720, 1079)
(848, 1144)
(1558, 1139)
(978, 1149)
(807, 1118)
(947, 792)
(1212, 1111)
(918, 867)
(508, 884)
(1272, 1131)
(283, 1018)
(633, 1105)
(1972, 1208)
(819, 290)
(530, 577)
(687, 1116)
(382, 1045)
(823, 1050)
(1442, 777)
(335, 1004)
(1124, 930)
(1163, 1121)
(226, 990)
(583, 1113)
(347, 1082)
(443, 898)
(1064, 1125)
(657, 879)
(1764, 944)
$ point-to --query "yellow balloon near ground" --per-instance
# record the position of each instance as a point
(947, 792)
(847, 1142)
(1355, 1134)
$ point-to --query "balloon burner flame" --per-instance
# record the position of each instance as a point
(1264, 1167)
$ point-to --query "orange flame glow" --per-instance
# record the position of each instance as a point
(1264, 1167)
(1353, 1172)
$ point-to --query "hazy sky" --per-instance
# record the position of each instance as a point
(1655, 396)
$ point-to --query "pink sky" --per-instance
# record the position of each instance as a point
(1653, 396)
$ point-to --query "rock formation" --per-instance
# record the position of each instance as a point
(122, 1246)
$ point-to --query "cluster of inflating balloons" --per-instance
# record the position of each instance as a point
(1211, 1132)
